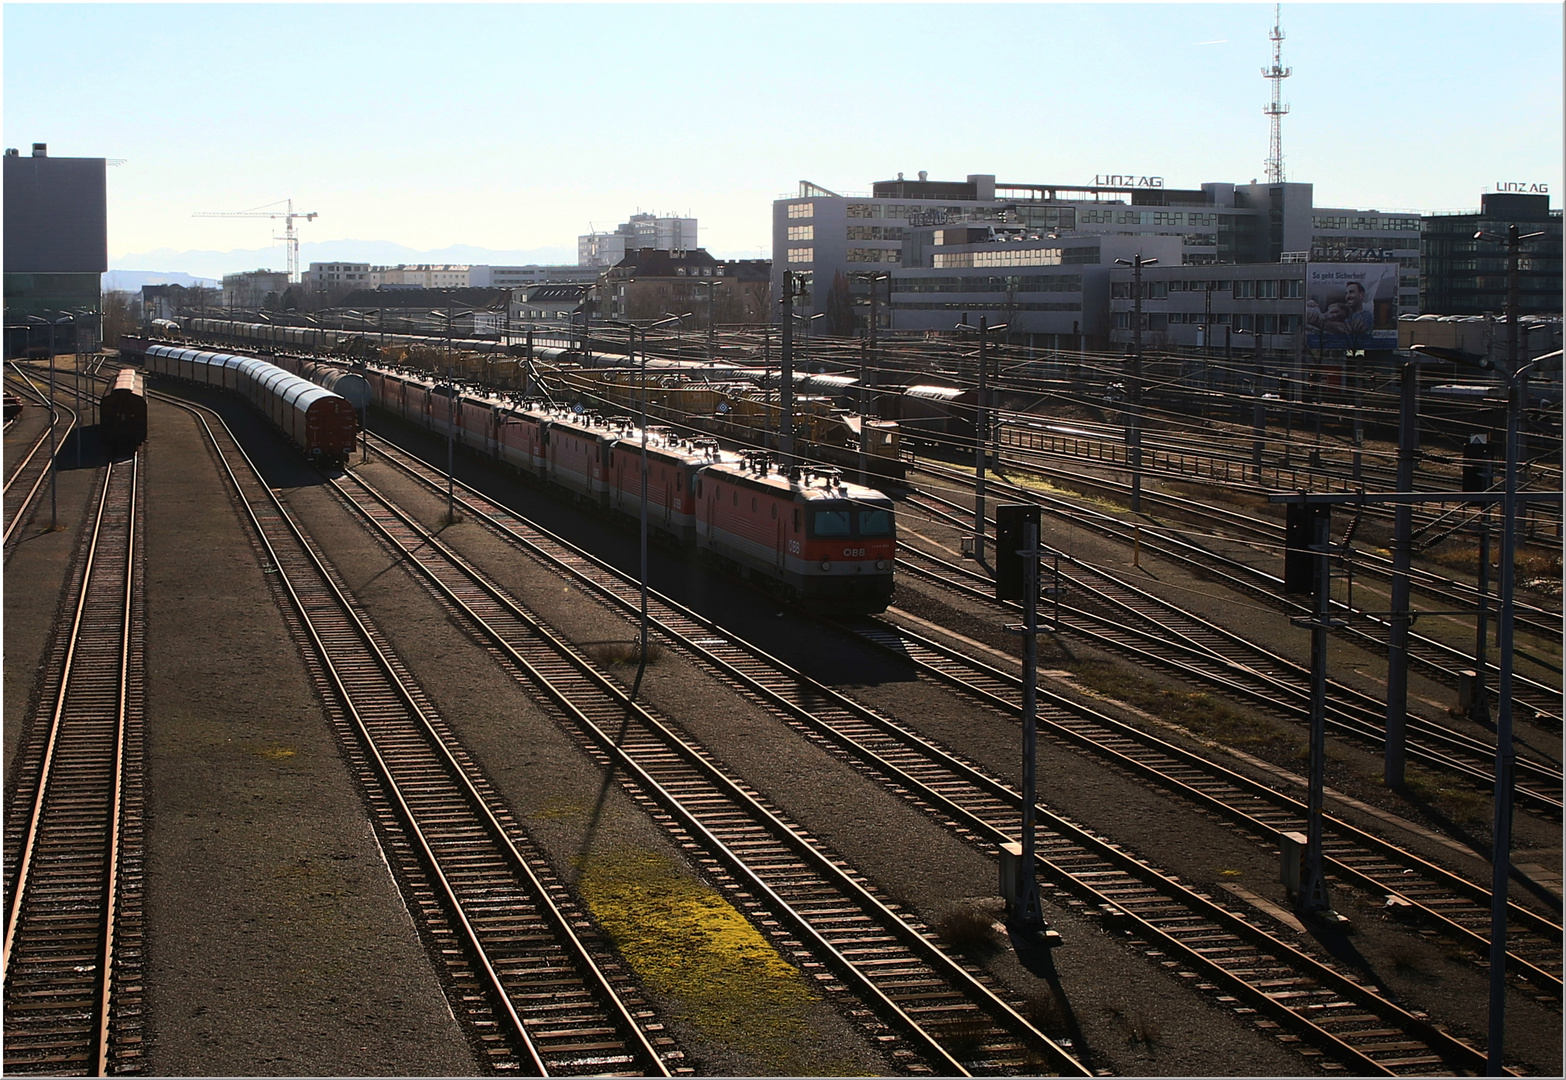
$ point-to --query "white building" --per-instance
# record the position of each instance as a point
(667, 233)
(420, 276)
(251, 288)
(325, 278)
(515, 277)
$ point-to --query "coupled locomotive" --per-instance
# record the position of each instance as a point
(805, 530)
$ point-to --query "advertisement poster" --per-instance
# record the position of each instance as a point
(1351, 305)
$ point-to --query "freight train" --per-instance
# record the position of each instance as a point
(803, 531)
(122, 413)
(320, 423)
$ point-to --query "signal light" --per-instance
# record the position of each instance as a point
(1011, 520)
(1476, 464)
(1299, 533)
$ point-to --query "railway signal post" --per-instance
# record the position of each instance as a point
(1017, 555)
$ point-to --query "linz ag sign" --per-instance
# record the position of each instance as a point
(1127, 180)
(1522, 186)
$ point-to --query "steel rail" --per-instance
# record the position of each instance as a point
(900, 642)
(422, 548)
(1267, 679)
(704, 650)
(83, 763)
(456, 906)
(1433, 656)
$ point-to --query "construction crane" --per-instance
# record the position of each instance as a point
(290, 234)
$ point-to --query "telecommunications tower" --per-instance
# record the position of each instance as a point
(1276, 74)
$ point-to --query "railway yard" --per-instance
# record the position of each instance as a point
(304, 775)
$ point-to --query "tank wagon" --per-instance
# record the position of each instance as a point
(320, 423)
(122, 413)
(804, 532)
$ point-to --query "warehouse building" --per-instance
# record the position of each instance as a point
(56, 247)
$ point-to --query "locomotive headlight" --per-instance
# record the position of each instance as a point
(883, 564)
(826, 564)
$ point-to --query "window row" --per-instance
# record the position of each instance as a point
(875, 232)
(1017, 257)
(874, 255)
(801, 232)
(801, 209)
(1364, 223)
(801, 254)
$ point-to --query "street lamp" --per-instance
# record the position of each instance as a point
(871, 278)
(795, 284)
(1134, 392)
(712, 292)
(808, 321)
(981, 434)
(631, 329)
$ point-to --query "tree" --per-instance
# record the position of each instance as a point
(121, 315)
(840, 317)
(293, 299)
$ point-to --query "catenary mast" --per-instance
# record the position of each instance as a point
(1276, 74)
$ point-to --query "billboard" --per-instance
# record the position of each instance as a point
(1351, 305)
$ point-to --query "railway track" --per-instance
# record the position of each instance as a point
(1339, 1023)
(1268, 535)
(948, 1015)
(73, 830)
(24, 484)
(1135, 623)
(1442, 898)
(1434, 658)
(535, 992)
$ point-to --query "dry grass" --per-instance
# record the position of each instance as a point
(610, 653)
(1195, 710)
(966, 928)
(1461, 804)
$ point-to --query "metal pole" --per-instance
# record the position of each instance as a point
(981, 423)
(786, 376)
(1028, 911)
(1134, 397)
(1479, 705)
(1505, 752)
(1258, 425)
(864, 349)
(712, 327)
(642, 652)
(1313, 895)
(54, 428)
(451, 428)
(1402, 546)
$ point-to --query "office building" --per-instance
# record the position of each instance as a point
(826, 233)
(1461, 275)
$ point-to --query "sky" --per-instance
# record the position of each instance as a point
(520, 126)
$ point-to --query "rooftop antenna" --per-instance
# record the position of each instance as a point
(1276, 74)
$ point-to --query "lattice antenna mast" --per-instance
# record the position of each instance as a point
(1276, 74)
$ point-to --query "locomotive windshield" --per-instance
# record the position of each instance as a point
(847, 519)
(875, 522)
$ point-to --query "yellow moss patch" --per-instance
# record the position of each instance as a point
(560, 811)
(275, 753)
(686, 942)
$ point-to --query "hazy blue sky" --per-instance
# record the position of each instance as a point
(516, 126)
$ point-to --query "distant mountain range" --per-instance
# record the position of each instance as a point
(214, 264)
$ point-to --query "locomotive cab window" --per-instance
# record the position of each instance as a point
(875, 522)
(830, 522)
